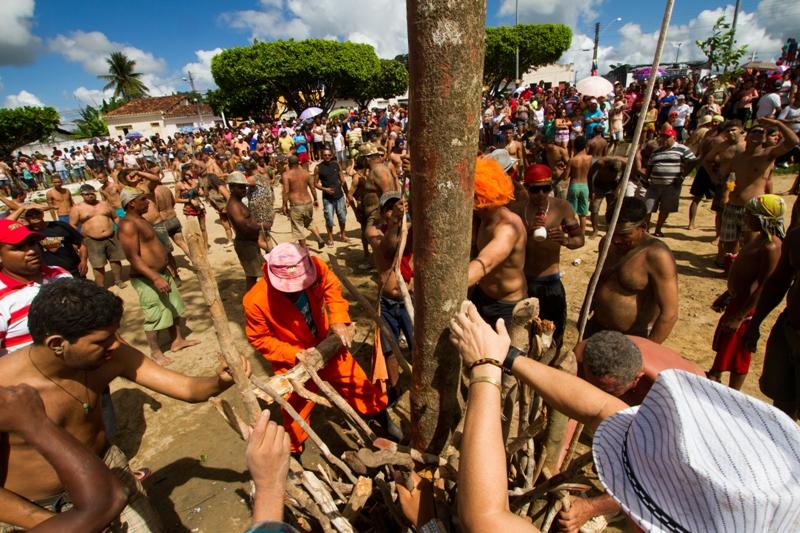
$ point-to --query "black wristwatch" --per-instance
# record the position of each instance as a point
(508, 362)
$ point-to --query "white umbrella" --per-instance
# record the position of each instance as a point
(595, 86)
(311, 112)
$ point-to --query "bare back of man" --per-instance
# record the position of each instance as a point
(630, 290)
(557, 158)
(578, 190)
(604, 177)
(597, 146)
(296, 182)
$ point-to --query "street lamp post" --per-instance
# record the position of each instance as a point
(516, 23)
(190, 79)
(677, 50)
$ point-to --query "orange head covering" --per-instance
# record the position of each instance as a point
(493, 187)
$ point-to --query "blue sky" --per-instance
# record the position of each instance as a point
(51, 51)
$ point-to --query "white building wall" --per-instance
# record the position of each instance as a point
(148, 125)
(553, 74)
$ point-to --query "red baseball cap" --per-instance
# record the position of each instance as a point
(669, 133)
(13, 232)
(538, 174)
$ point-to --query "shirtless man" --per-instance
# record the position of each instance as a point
(501, 237)
(59, 199)
(379, 181)
(749, 271)
(597, 146)
(165, 203)
(158, 293)
(557, 158)
(637, 293)
(384, 242)
(577, 174)
(96, 221)
(752, 168)
(76, 353)
(779, 379)
(543, 255)
(299, 201)
(624, 366)
(110, 192)
(716, 151)
(147, 183)
(247, 230)
(604, 176)
(516, 150)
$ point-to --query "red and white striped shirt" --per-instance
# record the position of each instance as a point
(15, 300)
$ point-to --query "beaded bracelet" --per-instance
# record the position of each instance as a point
(486, 361)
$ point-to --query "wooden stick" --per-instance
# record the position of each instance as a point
(314, 487)
(308, 504)
(355, 293)
(328, 390)
(308, 395)
(361, 493)
(230, 416)
(326, 452)
(529, 432)
(208, 285)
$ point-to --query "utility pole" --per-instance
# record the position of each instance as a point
(596, 45)
(678, 51)
(516, 31)
(446, 49)
(733, 24)
(197, 95)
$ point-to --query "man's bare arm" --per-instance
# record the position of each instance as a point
(494, 253)
(74, 216)
(664, 279)
(285, 193)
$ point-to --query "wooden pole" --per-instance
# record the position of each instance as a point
(446, 49)
(208, 285)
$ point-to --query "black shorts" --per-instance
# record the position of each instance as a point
(173, 226)
(552, 302)
(702, 186)
(491, 309)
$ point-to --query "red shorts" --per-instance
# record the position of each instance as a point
(732, 356)
(302, 157)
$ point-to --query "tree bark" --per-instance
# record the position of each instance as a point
(446, 49)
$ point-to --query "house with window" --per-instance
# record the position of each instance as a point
(164, 115)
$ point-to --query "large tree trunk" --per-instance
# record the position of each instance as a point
(446, 48)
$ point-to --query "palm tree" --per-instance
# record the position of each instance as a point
(122, 78)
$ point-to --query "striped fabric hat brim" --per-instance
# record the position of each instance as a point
(607, 449)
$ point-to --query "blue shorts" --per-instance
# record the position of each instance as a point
(329, 206)
(395, 315)
(63, 218)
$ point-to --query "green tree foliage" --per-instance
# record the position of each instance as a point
(247, 102)
(23, 125)
(123, 78)
(539, 44)
(306, 73)
(720, 47)
(90, 124)
(392, 80)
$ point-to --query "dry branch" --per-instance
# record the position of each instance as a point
(326, 452)
(233, 358)
(361, 493)
(308, 395)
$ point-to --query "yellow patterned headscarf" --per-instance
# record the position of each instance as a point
(769, 210)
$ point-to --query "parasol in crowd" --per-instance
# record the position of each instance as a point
(644, 73)
(595, 86)
(310, 113)
(761, 65)
(133, 135)
(341, 112)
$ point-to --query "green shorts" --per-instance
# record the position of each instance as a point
(578, 198)
(161, 311)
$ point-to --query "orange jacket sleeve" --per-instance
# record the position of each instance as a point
(261, 336)
(338, 308)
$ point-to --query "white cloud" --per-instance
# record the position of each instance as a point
(782, 17)
(569, 12)
(201, 69)
(92, 48)
(353, 20)
(22, 98)
(92, 97)
(18, 45)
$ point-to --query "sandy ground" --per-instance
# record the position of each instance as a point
(199, 480)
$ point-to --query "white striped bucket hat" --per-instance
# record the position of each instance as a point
(698, 456)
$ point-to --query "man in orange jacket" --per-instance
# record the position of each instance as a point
(292, 308)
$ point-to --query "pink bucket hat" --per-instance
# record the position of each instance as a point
(289, 268)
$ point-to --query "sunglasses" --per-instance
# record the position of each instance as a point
(533, 189)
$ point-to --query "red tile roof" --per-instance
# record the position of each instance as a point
(154, 104)
(189, 110)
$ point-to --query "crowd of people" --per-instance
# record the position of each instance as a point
(549, 157)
